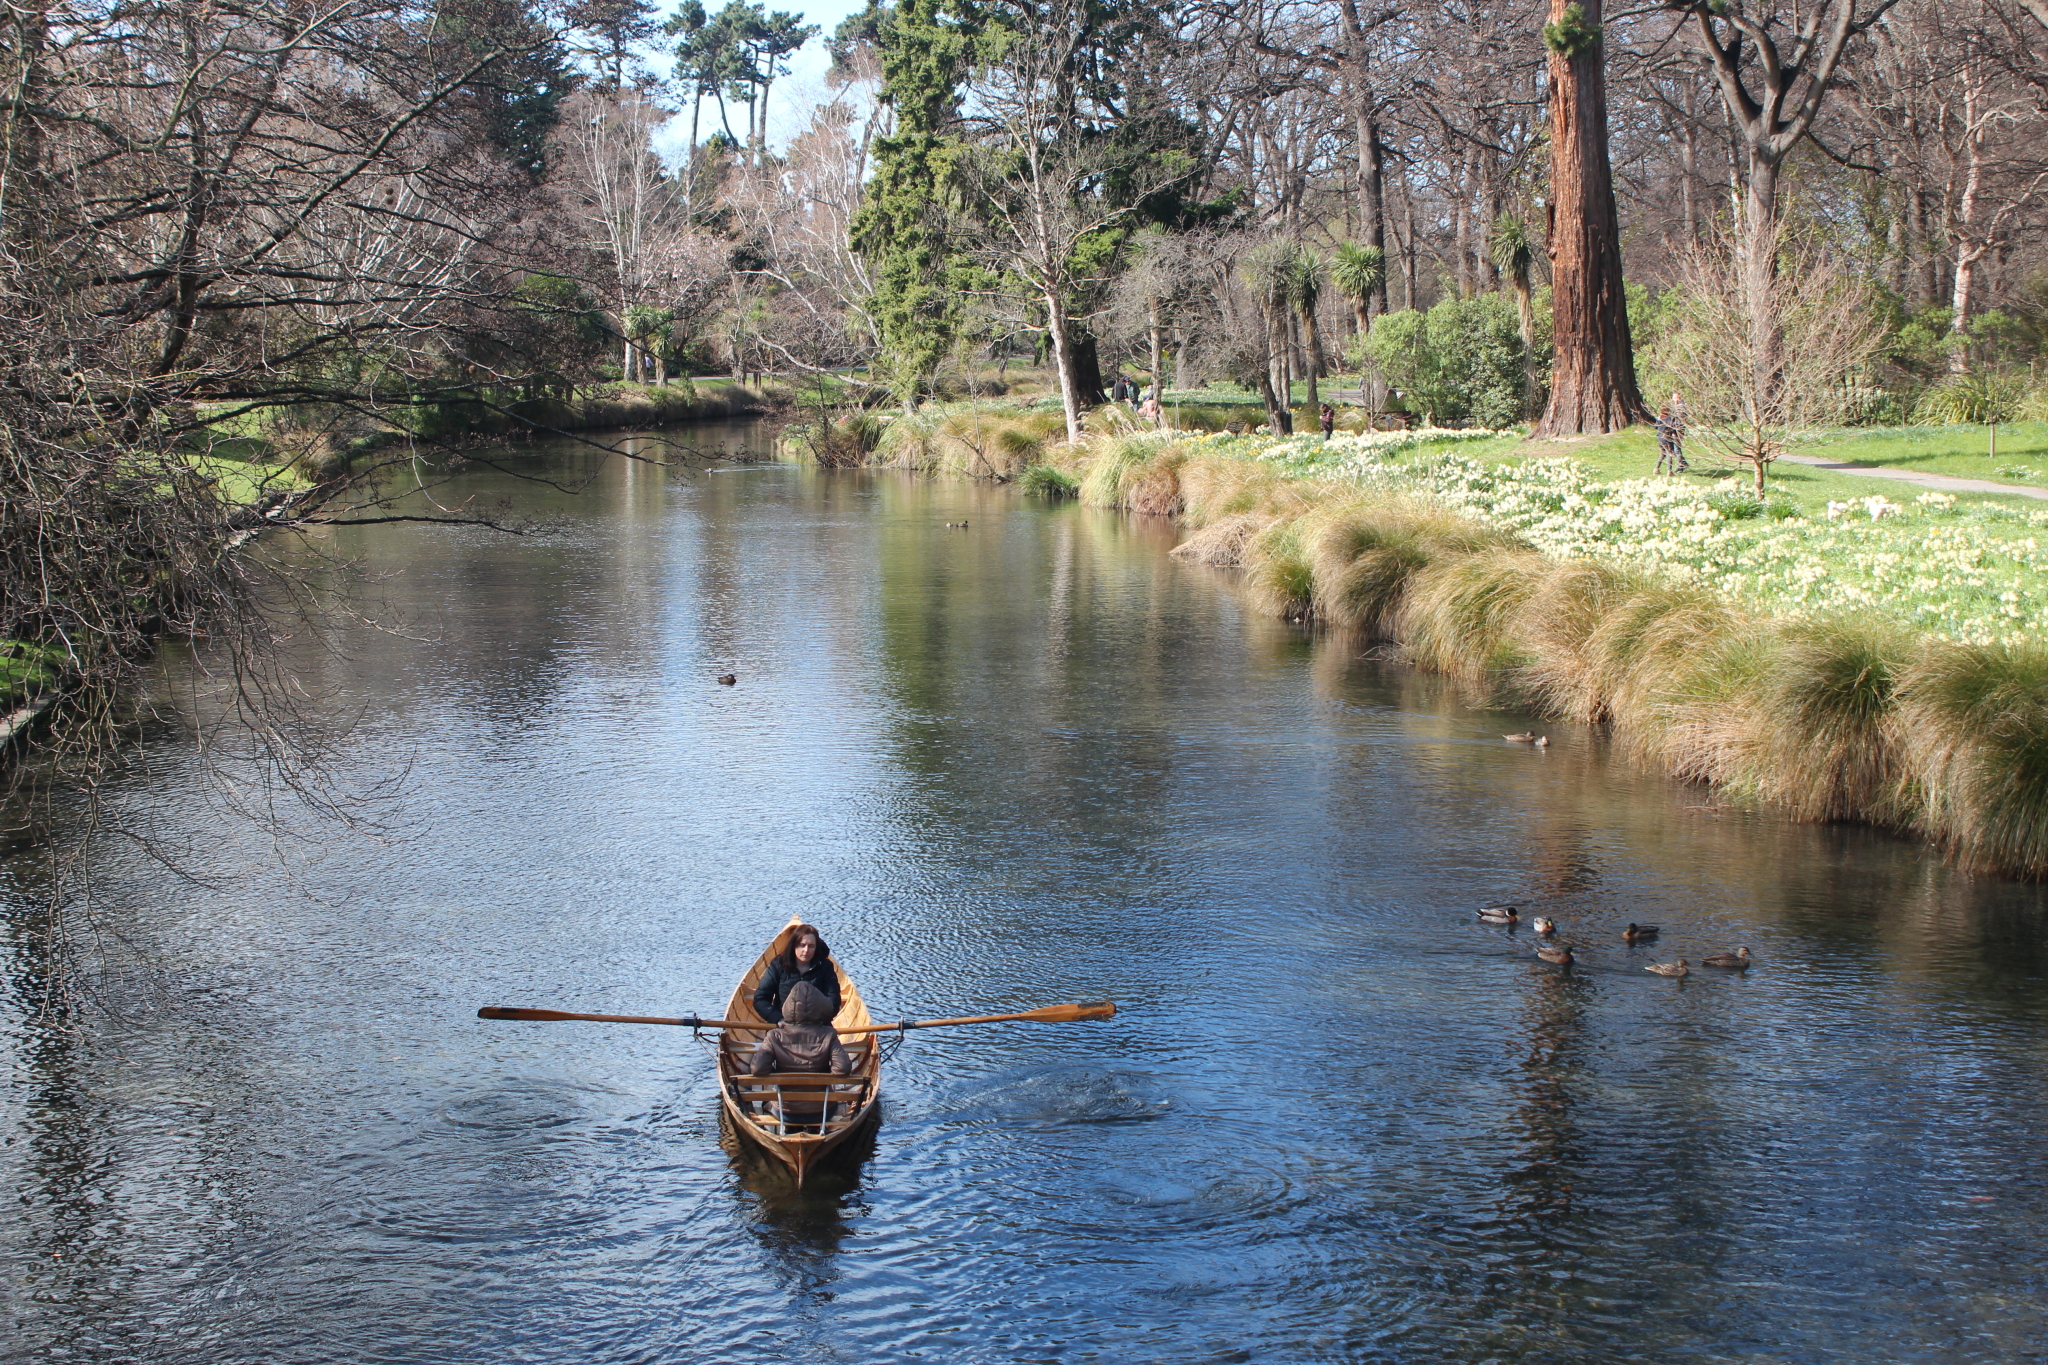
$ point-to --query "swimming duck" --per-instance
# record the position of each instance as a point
(1526, 737)
(1678, 968)
(1737, 960)
(1545, 925)
(1636, 933)
(727, 679)
(1543, 741)
(1499, 914)
(1561, 955)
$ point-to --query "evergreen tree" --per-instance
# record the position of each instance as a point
(904, 227)
(609, 28)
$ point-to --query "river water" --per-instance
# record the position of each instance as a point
(1027, 761)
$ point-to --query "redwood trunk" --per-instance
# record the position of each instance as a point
(1593, 378)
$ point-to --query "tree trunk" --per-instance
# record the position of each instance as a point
(1593, 378)
(1158, 339)
(1760, 278)
(1313, 342)
(1082, 364)
(1056, 332)
(1525, 320)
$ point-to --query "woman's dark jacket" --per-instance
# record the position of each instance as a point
(778, 981)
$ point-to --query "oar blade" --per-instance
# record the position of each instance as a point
(1067, 1014)
(529, 1016)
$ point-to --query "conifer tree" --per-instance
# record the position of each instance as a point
(903, 227)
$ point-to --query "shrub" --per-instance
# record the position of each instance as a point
(1459, 363)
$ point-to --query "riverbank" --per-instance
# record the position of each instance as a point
(337, 443)
(1838, 658)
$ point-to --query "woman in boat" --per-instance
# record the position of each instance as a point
(806, 959)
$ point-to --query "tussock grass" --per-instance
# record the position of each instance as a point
(1560, 676)
(1973, 721)
(1461, 610)
(1137, 473)
(1044, 481)
(1279, 577)
(1826, 739)
(1222, 543)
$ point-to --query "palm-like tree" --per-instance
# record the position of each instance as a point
(1302, 279)
(1514, 256)
(1359, 272)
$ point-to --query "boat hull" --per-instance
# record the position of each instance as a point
(800, 1151)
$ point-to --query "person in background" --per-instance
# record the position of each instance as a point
(805, 960)
(1329, 420)
(1671, 436)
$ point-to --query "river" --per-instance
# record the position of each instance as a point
(1029, 760)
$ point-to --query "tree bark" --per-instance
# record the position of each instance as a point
(1593, 378)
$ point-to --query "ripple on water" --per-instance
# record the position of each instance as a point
(1059, 1094)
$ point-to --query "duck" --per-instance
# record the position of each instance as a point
(1737, 960)
(1678, 968)
(1499, 914)
(728, 679)
(1526, 737)
(1561, 955)
(956, 526)
(1545, 925)
(1543, 741)
(1636, 933)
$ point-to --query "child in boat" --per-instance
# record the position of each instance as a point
(805, 959)
(804, 1041)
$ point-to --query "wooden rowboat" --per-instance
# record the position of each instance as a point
(754, 1103)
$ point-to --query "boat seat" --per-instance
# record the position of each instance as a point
(798, 1080)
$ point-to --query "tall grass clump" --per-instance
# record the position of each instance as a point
(1562, 676)
(1136, 473)
(1043, 481)
(1644, 657)
(1279, 577)
(1828, 737)
(1460, 612)
(1365, 555)
(1974, 726)
(908, 440)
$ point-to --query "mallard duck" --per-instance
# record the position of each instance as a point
(1526, 737)
(1499, 914)
(1543, 741)
(1678, 968)
(1561, 955)
(1738, 960)
(1636, 933)
(727, 679)
(1545, 925)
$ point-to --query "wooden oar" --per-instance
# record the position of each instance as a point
(1050, 1014)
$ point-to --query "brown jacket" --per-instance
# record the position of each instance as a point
(805, 1039)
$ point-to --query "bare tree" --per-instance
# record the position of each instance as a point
(1743, 404)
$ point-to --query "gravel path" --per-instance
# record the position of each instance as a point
(1946, 483)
